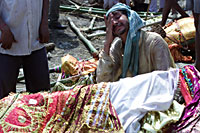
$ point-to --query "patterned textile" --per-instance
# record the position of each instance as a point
(72, 66)
(189, 82)
(190, 88)
(177, 55)
(180, 35)
(81, 109)
(157, 121)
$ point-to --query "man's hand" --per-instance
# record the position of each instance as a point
(43, 33)
(7, 38)
(109, 32)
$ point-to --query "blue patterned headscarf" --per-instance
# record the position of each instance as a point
(131, 51)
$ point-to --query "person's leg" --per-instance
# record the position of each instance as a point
(9, 70)
(166, 11)
(177, 7)
(169, 4)
(54, 15)
(197, 39)
(54, 11)
(36, 71)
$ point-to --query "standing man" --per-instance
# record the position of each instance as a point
(54, 15)
(23, 30)
(128, 50)
(194, 5)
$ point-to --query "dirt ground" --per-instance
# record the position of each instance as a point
(67, 42)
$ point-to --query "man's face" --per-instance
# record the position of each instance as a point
(121, 24)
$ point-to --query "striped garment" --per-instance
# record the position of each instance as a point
(83, 109)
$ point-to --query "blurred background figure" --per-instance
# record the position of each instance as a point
(169, 4)
(162, 4)
(154, 6)
(54, 15)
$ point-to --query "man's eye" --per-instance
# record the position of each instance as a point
(117, 16)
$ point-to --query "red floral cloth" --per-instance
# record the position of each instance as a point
(81, 109)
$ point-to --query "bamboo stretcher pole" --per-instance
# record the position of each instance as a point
(56, 69)
(88, 44)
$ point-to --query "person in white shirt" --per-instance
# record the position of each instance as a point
(23, 30)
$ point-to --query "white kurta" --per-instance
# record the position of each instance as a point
(154, 55)
(134, 97)
(23, 18)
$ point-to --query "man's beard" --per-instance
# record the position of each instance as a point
(119, 33)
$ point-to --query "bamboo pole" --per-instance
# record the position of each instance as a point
(92, 23)
(55, 69)
(96, 34)
(94, 28)
(154, 13)
(151, 24)
(85, 10)
(99, 10)
(51, 70)
(88, 44)
(87, 7)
